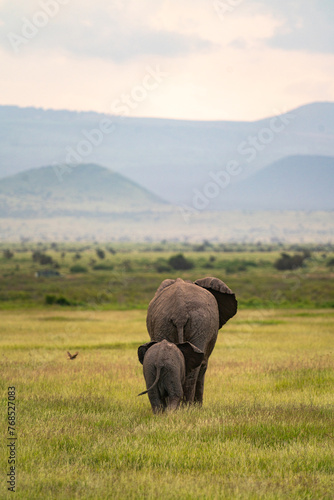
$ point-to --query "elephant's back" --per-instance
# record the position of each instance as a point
(187, 306)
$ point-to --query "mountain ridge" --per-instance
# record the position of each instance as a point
(170, 158)
(303, 107)
(83, 190)
(293, 183)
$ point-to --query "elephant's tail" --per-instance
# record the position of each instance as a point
(179, 326)
(180, 334)
(154, 383)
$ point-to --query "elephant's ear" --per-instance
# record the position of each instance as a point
(165, 284)
(227, 303)
(192, 355)
(142, 350)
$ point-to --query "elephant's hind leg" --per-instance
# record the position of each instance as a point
(158, 404)
(175, 394)
(190, 386)
(173, 403)
(200, 383)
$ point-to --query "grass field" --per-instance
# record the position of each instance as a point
(128, 275)
(265, 429)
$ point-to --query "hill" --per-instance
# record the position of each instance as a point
(169, 157)
(84, 190)
(293, 183)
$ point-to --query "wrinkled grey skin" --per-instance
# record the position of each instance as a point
(191, 312)
(165, 366)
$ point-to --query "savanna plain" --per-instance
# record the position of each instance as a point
(265, 430)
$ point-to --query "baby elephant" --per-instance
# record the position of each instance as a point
(165, 367)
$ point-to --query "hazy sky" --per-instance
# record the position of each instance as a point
(195, 59)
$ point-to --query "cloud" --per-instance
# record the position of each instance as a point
(304, 26)
(120, 45)
(122, 31)
(262, 55)
(99, 30)
(299, 25)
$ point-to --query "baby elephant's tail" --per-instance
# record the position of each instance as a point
(154, 383)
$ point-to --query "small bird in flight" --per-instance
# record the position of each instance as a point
(72, 356)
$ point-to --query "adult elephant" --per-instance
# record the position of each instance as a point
(182, 311)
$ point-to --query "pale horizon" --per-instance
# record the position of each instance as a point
(283, 111)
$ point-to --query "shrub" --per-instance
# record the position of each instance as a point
(42, 258)
(100, 253)
(36, 256)
(180, 263)
(8, 254)
(78, 268)
(330, 263)
(62, 301)
(289, 262)
(45, 260)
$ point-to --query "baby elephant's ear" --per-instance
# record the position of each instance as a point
(192, 355)
(142, 350)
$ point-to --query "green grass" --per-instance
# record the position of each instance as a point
(128, 278)
(265, 430)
